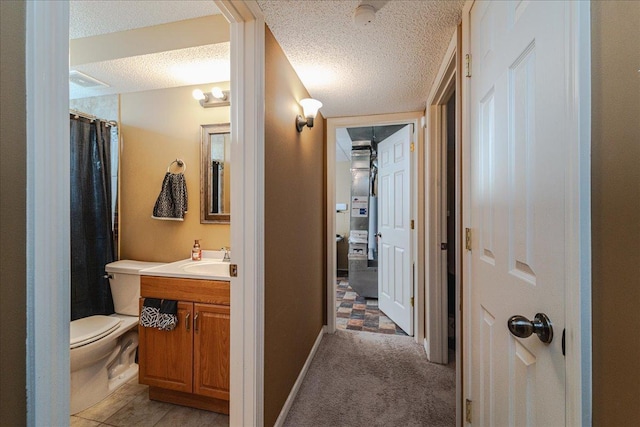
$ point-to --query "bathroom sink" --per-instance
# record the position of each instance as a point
(207, 268)
(211, 267)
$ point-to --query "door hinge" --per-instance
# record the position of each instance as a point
(233, 270)
(467, 239)
(467, 65)
(412, 147)
(411, 301)
(413, 224)
(467, 411)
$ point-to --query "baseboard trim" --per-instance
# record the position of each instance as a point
(296, 387)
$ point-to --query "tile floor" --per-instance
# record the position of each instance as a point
(359, 313)
(130, 406)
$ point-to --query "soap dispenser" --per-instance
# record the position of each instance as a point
(196, 252)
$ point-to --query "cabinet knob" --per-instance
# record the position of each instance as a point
(186, 321)
(195, 322)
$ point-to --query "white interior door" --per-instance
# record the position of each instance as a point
(518, 146)
(395, 288)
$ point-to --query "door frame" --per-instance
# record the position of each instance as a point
(417, 208)
(578, 383)
(436, 323)
(48, 226)
(247, 35)
(48, 255)
(446, 83)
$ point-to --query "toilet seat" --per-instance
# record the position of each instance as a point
(89, 329)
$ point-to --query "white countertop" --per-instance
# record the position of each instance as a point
(211, 267)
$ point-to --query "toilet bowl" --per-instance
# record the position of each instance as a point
(103, 348)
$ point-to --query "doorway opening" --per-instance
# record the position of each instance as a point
(358, 230)
(443, 232)
(47, 70)
(354, 258)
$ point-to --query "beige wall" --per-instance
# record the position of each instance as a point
(294, 231)
(615, 218)
(157, 127)
(13, 214)
(343, 195)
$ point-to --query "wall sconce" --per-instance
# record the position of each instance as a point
(310, 108)
(216, 98)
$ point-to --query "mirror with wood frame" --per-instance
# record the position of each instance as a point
(215, 174)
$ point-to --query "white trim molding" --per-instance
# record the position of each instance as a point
(296, 386)
(465, 262)
(246, 406)
(417, 208)
(578, 342)
(48, 207)
(332, 251)
(436, 325)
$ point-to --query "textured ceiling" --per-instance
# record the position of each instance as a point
(95, 17)
(386, 67)
(181, 67)
(164, 69)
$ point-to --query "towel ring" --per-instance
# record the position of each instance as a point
(180, 163)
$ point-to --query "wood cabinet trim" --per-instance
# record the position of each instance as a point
(194, 290)
(189, 399)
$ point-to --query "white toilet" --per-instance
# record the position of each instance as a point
(103, 348)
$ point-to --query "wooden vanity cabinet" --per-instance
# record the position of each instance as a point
(165, 358)
(211, 351)
(190, 364)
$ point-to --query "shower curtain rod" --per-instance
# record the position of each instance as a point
(91, 117)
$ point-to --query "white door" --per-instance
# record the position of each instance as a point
(395, 288)
(518, 146)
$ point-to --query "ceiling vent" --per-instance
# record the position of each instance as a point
(85, 81)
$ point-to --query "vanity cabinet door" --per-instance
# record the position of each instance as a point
(166, 357)
(211, 350)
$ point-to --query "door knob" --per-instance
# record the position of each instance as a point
(522, 327)
(379, 235)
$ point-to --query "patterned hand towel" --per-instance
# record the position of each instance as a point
(150, 313)
(168, 315)
(172, 200)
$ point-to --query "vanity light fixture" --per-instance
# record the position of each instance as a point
(310, 108)
(216, 98)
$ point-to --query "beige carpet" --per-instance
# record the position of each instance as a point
(366, 379)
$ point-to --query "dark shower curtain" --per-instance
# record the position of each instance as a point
(92, 240)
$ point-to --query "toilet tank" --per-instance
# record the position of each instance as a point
(124, 278)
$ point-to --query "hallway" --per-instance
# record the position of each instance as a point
(364, 379)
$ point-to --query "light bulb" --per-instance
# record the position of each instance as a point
(218, 93)
(198, 95)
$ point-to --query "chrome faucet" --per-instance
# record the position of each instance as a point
(227, 257)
